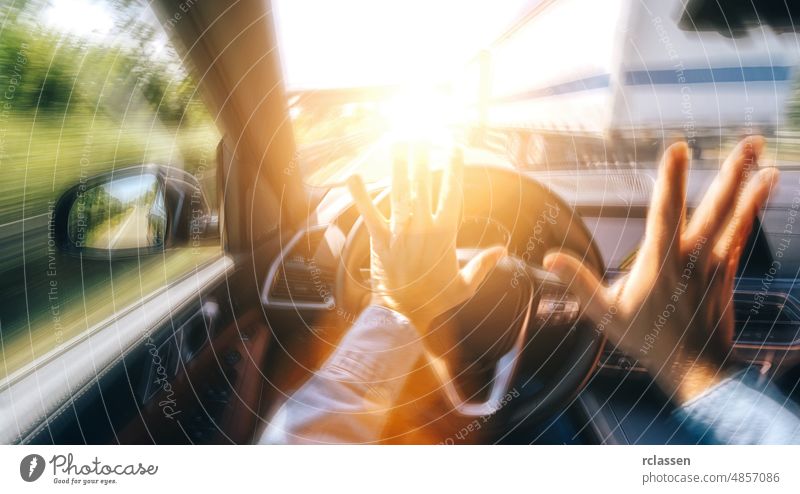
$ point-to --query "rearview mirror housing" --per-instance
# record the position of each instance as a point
(132, 212)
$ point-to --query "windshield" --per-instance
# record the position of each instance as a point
(536, 85)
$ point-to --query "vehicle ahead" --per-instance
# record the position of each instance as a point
(166, 306)
(629, 76)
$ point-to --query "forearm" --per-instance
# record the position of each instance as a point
(349, 398)
(745, 408)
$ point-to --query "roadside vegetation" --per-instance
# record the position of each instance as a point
(71, 107)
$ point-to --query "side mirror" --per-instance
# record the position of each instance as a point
(132, 212)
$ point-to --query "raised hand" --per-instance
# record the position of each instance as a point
(673, 312)
(414, 267)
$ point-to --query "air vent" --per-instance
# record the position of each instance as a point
(763, 319)
(299, 278)
(766, 319)
(639, 185)
(298, 282)
(601, 189)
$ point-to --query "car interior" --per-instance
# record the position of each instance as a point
(210, 356)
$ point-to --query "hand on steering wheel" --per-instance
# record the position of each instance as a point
(674, 310)
(414, 266)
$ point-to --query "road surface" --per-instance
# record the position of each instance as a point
(129, 233)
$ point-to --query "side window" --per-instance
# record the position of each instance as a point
(87, 87)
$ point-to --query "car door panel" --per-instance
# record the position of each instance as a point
(36, 400)
(214, 397)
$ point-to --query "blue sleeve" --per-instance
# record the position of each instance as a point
(349, 398)
(746, 408)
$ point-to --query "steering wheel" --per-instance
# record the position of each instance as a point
(522, 320)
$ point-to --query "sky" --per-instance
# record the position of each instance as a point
(85, 18)
(346, 43)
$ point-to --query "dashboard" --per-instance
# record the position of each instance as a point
(613, 206)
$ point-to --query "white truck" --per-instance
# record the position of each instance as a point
(591, 81)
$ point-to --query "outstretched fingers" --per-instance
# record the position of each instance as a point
(448, 212)
(376, 224)
(421, 208)
(401, 189)
(714, 212)
(667, 209)
(753, 197)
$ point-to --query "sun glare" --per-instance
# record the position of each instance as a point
(421, 114)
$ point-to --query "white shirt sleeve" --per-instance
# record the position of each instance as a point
(348, 400)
